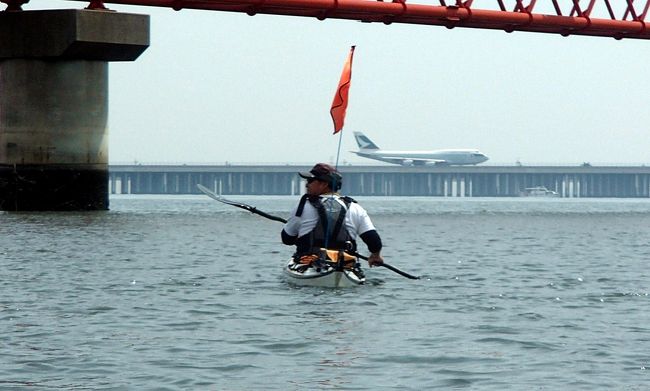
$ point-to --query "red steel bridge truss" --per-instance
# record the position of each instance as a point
(604, 18)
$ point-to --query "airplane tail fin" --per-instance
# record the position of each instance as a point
(364, 142)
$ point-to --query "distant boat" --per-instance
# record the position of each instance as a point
(538, 191)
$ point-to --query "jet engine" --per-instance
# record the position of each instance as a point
(407, 162)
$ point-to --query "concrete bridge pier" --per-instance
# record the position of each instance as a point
(54, 104)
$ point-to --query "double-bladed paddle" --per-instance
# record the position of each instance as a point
(256, 211)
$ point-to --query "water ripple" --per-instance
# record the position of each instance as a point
(174, 294)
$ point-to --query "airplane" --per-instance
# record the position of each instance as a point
(457, 157)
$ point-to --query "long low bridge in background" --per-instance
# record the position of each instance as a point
(436, 181)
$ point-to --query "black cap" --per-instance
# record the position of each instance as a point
(324, 172)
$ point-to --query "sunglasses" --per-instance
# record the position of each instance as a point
(310, 180)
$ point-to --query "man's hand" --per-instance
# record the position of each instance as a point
(375, 259)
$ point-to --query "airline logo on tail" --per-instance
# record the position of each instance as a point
(364, 142)
(370, 150)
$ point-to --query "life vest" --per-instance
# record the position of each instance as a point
(330, 231)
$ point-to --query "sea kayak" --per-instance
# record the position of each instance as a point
(324, 274)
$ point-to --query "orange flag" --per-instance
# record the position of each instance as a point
(340, 102)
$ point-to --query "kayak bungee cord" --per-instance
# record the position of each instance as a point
(256, 211)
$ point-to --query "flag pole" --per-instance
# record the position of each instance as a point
(337, 111)
(338, 151)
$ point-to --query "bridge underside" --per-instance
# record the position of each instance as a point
(605, 18)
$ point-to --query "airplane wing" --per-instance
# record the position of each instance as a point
(415, 161)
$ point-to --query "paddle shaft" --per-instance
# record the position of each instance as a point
(254, 210)
(387, 266)
(264, 214)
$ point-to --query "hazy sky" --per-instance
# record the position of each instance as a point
(216, 87)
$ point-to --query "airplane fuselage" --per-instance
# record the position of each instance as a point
(370, 150)
(415, 158)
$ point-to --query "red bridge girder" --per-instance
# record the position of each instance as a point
(591, 17)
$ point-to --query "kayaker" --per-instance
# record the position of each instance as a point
(325, 219)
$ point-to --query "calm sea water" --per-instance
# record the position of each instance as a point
(183, 293)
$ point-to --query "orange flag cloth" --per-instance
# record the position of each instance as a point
(340, 102)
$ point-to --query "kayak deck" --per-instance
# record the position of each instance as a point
(326, 275)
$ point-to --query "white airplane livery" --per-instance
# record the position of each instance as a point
(455, 157)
